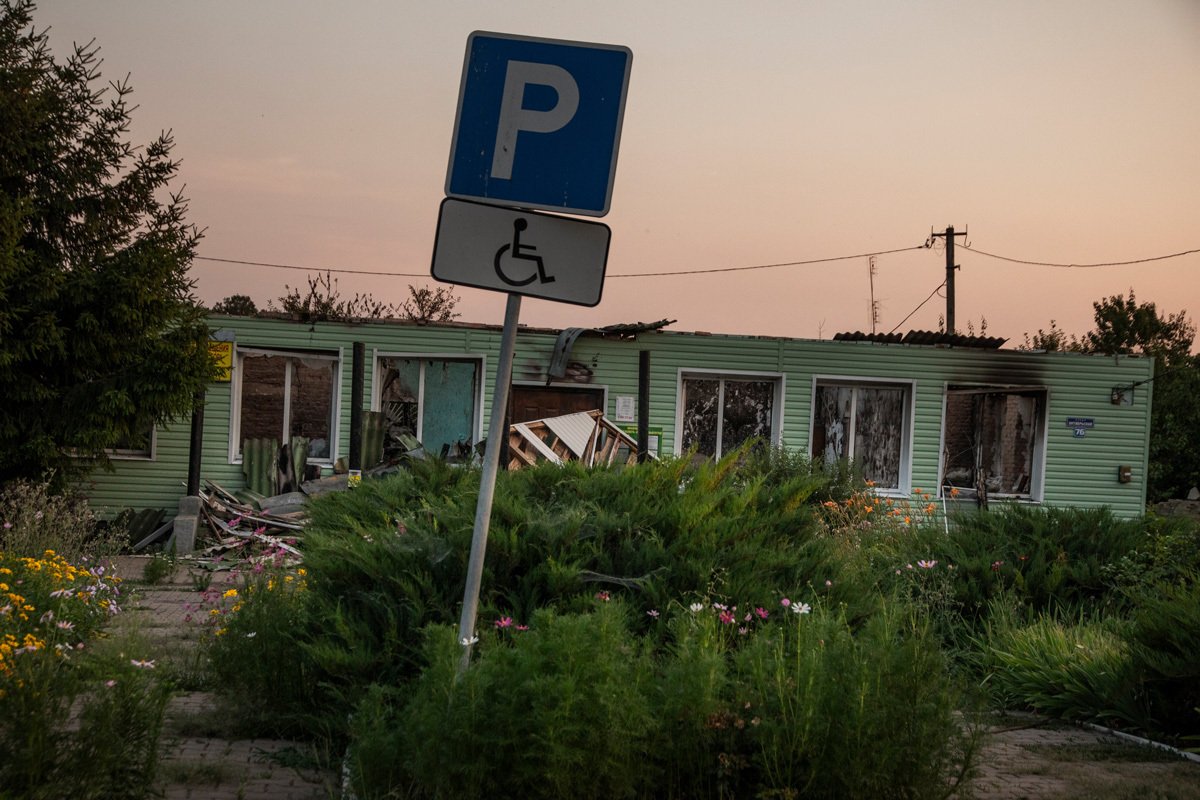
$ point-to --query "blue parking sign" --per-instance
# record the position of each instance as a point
(538, 123)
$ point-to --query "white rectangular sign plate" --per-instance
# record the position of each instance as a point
(521, 252)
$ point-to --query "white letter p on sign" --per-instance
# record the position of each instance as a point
(514, 118)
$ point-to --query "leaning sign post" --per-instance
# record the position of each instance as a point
(537, 127)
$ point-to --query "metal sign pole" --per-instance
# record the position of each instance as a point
(487, 481)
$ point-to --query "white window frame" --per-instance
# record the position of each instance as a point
(700, 373)
(235, 400)
(124, 454)
(1037, 481)
(480, 363)
(907, 427)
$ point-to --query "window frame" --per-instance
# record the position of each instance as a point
(1037, 480)
(480, 361)
(907, 426)
(130, 454)
(722, 375)
(235, 400)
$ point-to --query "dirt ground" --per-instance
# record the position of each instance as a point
(1024, 757)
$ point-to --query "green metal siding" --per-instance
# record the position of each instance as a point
(1078, 471)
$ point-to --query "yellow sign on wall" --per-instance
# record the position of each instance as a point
(222, 354)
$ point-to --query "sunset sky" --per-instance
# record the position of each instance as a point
(755, 133)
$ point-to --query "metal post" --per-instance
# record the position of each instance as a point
(196, 446)
(356, 409)
(643, 423)
(487, 481)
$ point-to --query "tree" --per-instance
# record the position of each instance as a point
(236, 305)
(1124, 326)
(1053, 340)
(429, 305)
(324, 303)
(100, 336)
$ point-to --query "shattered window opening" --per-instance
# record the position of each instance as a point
(867, 424)
(284, 395)
(722, 413)
(993, 438)
(435, 400)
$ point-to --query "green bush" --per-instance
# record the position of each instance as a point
(1164, 643)
(1078, 669)
(33, 519)
(254, 652)
(764, 703)
(845, 713)
(556, 711)
(390, 557)
(80, 715)
(1049, 558)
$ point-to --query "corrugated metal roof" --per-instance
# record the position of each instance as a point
(939, 338)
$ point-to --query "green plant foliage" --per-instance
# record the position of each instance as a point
(1168, 554)
(34, 519)
(80, 716)
(1165, 648)
(100, 337)
(578, 705)
(1070, 668)
(254, 653)
(850, 713)
(1047, 557)
(557, 711)
(390, 557)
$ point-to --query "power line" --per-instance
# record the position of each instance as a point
(626, 275)
(1081, 266)
(312, 269)
(766, 266)
(918, 308)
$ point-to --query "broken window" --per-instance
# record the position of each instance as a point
(866, 424)
(282, 395)
(993, 440)
(433, 399)
(720, 413)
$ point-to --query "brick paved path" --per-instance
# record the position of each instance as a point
(198, 759)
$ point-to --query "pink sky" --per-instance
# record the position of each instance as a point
(755, 133)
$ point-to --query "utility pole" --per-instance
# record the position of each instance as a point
(874, 304)
(950, 267)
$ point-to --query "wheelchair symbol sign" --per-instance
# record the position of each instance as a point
(521, 252)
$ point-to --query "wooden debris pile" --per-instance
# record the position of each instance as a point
(267, 531)
(586, 436)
